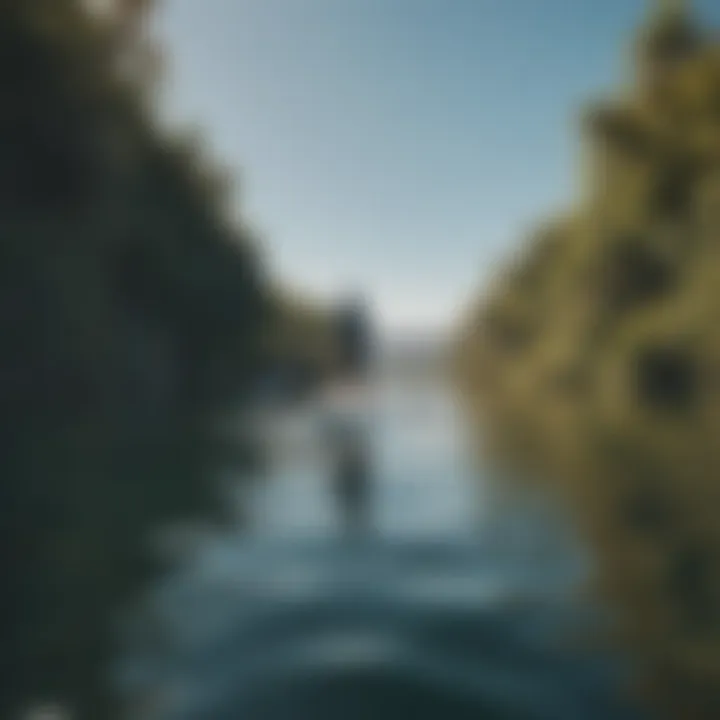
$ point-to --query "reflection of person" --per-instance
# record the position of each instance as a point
(350, 457)
(352, 480)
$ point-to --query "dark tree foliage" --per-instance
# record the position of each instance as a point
(130, 312)
(667, 379)
(633, 273)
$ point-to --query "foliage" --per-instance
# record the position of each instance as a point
(593, 362)
(131, 312)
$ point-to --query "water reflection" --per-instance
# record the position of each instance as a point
(351, 471)
(432, 610)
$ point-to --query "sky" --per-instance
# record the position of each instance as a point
(401, 149)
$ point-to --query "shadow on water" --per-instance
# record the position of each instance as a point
(368, 585)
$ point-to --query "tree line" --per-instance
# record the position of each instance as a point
(593, 361)
(134, 310)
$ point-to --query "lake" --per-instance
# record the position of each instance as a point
(455, 601)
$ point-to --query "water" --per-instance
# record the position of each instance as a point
(453, 606)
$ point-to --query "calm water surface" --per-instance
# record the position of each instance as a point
(454, 604)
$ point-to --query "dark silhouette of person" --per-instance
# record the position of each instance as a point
(350, 446)
(354, 338)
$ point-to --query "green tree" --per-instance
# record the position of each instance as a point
(131, 315)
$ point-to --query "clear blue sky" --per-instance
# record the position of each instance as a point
(396, 147)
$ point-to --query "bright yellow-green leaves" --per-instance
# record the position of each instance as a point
(594, 362)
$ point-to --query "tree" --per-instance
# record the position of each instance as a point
(131, 311)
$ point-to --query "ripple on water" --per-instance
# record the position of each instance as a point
(426, 619)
